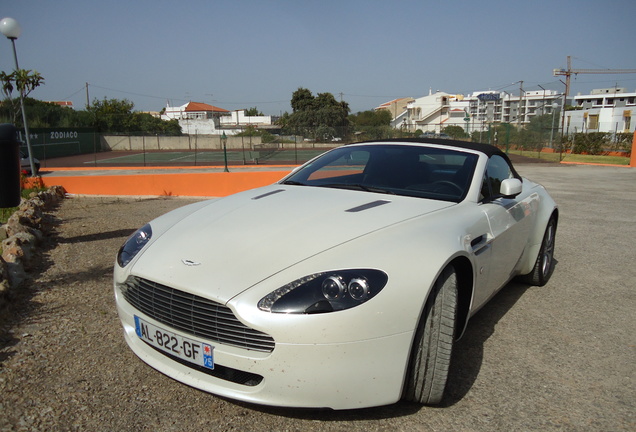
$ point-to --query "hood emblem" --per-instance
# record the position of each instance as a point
(190, 263)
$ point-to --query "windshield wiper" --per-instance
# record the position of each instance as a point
(357, 186)
(294, 183)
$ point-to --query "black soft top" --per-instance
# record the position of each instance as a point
(487, 149)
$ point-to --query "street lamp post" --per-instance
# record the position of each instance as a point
(554, 108)
(224, 140)
(11, 29)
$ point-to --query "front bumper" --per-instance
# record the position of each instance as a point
(326, 375)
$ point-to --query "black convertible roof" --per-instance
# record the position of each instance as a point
(487, 149)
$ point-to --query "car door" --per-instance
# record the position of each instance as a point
(509, 222)
(480, 236)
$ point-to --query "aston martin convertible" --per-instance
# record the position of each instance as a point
(344, 285)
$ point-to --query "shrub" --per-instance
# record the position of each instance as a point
(591, 143)
(623, 142)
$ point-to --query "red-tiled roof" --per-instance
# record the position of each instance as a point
(62, 103)
(200, 106)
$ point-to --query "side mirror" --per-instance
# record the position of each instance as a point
(510, 188)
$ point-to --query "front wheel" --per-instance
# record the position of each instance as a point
(433, 344)
(544, 265)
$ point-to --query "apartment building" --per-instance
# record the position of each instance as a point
(603, 110)
(477, 111)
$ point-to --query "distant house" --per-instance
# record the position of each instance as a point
(603, 110)
(397, 108)
(196, 118)
(432, 113)
(67, 104)
(238, 120)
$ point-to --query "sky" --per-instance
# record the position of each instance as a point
(238, 54)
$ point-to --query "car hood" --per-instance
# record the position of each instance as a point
(236, 242)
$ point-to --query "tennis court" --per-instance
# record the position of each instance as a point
(185, 158)
(213, 157)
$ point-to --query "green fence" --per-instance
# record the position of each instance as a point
(60, 142)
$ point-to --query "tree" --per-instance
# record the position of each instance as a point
(111, 115)
(253, 112)
(22, 80)
(371, 118)
(375, 124)
(117, 116)
(302, 100)
(455, 132)
(499, 134)
(145, 124)
(321, 117)
(536, 133)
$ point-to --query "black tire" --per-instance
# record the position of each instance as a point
(544, 265)
(433, 344)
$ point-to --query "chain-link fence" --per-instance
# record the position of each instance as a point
(86, 148)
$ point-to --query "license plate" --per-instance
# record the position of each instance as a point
(190, 350)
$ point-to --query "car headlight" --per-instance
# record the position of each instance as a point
(133, 245)
(325, 292)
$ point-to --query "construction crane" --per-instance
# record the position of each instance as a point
(569, 72)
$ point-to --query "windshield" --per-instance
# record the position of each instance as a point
(417, 171)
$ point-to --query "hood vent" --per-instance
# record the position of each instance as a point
(367, 206)
(268, 194)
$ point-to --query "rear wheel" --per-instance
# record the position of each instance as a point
(433, 343)
(544, 265)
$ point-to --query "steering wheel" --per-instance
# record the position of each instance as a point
(441, 184)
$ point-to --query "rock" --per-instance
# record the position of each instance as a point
(20, 236)
(5, 283)
(19, 247)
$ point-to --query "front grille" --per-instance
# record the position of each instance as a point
(194, 315)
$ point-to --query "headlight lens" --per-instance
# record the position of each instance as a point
(325, 292)
(133, 245)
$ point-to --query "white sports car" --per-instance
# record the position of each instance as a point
(345, 284)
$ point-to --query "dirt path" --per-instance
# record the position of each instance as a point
(555, 358)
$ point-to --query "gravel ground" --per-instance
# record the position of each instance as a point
(561, 357)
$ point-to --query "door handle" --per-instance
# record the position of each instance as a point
(480, 243)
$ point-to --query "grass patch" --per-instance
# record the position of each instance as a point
(610, 160)
(568, 157)
(6, 213)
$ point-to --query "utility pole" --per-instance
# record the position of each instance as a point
(568, 73)
(519, 108)
(88, 101)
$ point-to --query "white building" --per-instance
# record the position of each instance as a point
(433, 112)
(603, 110)
(488, 107)
(477, 111)
(196, 118)
(398, 110)
(238, 120)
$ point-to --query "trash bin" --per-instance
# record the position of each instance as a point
(9, 167)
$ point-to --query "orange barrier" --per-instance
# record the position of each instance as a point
(632, 160)
(167, 167)
(216, 184)
(593, 164)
